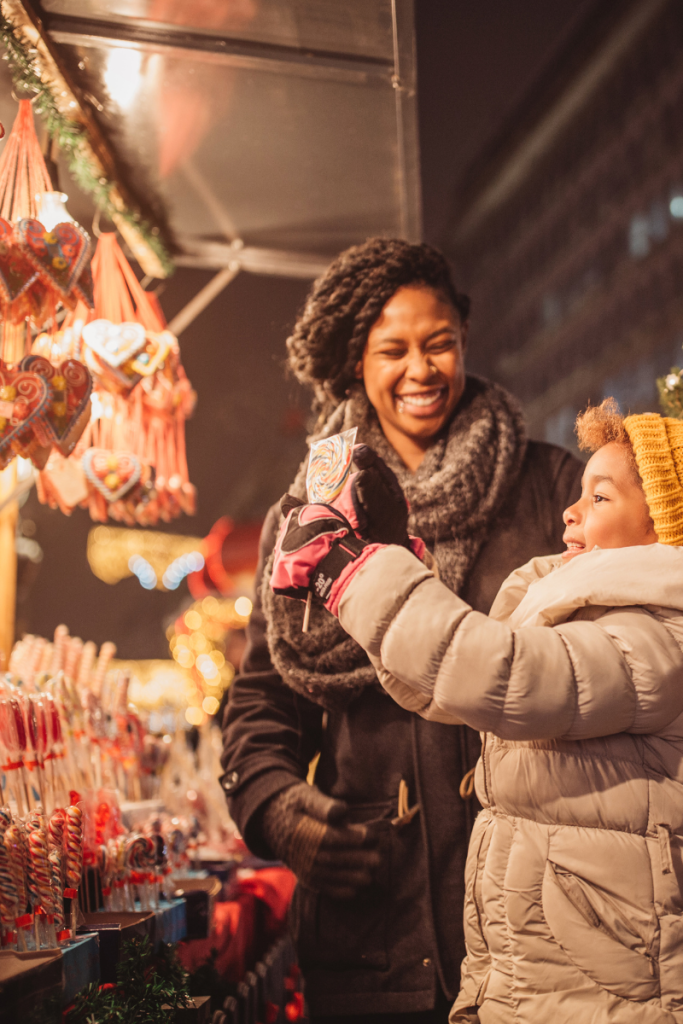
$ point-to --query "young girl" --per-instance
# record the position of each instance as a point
(575, 870)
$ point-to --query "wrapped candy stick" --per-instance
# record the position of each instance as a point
(86, 664)
(31, 750)
(34, 662)
(59, 650)
(44, 665)
(14, 844)
(55, 832)
(107, 652)
(9, 894)
(74, 859)
(74, 648)
(140, 859)
(54, 757)
(56, 859)
(41, 881)
(12, 742)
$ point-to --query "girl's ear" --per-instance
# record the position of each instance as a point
(359, 370)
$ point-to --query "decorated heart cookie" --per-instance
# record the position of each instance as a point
(24, 400)
(60, 256)
(69, 411)
(114, 344)
(113, 474)
(16, 272)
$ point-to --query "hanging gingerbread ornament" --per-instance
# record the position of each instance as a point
(41, 268)
(132, 456)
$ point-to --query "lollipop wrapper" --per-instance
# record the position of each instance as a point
(329, 466)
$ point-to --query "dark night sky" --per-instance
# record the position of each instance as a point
(476, 58)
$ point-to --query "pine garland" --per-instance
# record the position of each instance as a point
(149, 987)
(70, 136)
(671, 393)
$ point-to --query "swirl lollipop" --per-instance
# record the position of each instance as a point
(74, 858)
(15, 845)
(56, 828)
(9, 893)
(41, 877)
(56, 860)
(329, 466)
(140, 857)
(74, 846)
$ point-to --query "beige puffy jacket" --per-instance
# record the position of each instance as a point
(574, 908)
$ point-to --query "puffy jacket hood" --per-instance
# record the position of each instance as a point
(547, 591)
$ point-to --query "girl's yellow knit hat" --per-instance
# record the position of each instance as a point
(657, 443)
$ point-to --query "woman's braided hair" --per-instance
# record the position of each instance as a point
(329, 337)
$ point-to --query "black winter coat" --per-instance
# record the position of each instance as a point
(387, 950)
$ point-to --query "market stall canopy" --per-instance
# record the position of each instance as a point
(277, 132)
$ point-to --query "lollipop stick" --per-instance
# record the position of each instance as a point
(307, 613)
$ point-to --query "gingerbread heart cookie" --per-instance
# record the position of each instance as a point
(60, 256)
(113, 474)
(24, 400)
(17, 274)
(114, 344)
(69, 411)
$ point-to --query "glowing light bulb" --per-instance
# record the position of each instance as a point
(195, 716)
(243, 607)
(122, 75)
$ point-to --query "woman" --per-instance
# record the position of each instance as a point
(379, 841)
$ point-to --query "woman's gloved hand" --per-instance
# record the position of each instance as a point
(379, 502)
(304, 828)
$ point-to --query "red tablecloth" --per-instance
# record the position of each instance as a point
(234, 935)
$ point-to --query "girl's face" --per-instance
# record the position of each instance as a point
(413, 368)
(612, 511)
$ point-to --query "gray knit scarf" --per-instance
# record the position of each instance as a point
(454, 498)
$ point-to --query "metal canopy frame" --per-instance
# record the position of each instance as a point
(399, 73)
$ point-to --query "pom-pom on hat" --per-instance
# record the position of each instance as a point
(657, 443)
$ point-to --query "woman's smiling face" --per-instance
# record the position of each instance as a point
(413, 368)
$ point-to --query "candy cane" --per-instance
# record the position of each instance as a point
(74, 648)
(107, 652)
(74, 858)
(59, 649)
(87, 662)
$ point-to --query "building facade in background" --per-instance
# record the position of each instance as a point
(569, 231)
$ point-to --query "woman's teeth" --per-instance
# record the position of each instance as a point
(420, 400)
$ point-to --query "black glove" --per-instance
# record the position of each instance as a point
(303, 828)
(378, 500)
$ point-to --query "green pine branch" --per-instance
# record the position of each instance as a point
(147, 984)
(70, 135)
(671, 393)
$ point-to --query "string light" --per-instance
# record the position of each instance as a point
(143, 570)
(197, 642)
(182, 567)
(243, 607)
